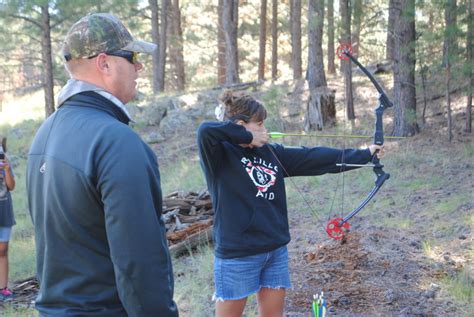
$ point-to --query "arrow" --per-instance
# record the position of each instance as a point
(278, 135)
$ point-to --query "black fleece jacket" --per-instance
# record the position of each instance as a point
(95, 199)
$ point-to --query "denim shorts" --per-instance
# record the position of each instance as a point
(5, 233)
(241, 277)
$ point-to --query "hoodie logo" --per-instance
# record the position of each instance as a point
(43, 168)
(263, 177)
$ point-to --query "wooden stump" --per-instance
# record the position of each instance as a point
(320, 109)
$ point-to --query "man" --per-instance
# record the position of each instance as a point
(94, 187)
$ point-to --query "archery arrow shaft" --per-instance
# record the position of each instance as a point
(278, 135)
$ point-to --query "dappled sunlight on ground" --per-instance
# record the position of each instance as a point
(16, 109)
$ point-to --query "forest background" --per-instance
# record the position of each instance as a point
(283, 52)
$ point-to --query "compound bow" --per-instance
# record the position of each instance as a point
(338, 226)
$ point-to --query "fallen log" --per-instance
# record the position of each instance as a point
(187, 216)
(192, 241)
(188, 231)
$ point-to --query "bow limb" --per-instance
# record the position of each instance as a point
(384, 101)
(382, 177)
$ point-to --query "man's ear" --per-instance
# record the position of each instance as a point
(102, 63)
(240, 122)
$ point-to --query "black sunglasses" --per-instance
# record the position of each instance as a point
(130, 56)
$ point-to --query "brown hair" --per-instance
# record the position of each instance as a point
(240, 106)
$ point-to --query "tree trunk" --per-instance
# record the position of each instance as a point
(315, 74)
(331, 65)
(404, 69)
(390, 46)
(340, 26)
(470, 61)
(230, 32)
(155, 35)
(162, 45)
(347, 69)
(221, 69)
(448, 95)
(274, 40)
(450, 32)
(320, 109)
(235, 20)
(357, 18)
(48, 82)
(262, 40)
(295, 16)
(176, 47)
(423, 71)
(449, 51)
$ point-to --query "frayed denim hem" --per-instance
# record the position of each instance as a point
(221, 299)
(274, 287)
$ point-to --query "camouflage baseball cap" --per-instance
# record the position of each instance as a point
(99, 33)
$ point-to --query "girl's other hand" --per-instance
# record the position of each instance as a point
(379, 149)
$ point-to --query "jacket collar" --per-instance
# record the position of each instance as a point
(95, 100)
(74, 86)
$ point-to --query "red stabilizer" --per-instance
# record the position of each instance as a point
(335, 230)
(342, 49)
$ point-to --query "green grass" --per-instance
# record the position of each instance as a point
(451, 204)
(10, 311)
(193, 292)
(182, 173)
(22, 258)
(400, 223)
(427, 247)
(461, 286)
(469, 150)
(193, 284)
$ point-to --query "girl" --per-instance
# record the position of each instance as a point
(7, 220)
(245, 178)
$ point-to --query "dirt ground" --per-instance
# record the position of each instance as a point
(376, 272)
(382, 271)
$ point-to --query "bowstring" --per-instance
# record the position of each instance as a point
(341, 171)
(313, 212)
(342, 167)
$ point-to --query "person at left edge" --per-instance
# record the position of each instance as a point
(94, 187)
(7, 221)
